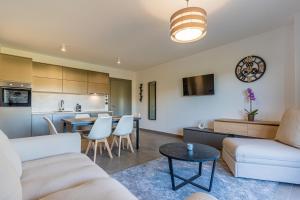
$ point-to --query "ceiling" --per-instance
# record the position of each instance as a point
(135, 30)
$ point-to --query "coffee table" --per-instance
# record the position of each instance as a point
(200, 153)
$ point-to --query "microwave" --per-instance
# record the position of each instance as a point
(15, 96)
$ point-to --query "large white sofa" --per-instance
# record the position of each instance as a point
(274, 160)
(52, 168)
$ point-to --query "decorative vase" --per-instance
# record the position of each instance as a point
(251, 117)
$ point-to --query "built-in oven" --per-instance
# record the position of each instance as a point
(15, 95)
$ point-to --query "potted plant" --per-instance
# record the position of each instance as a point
(251, 97)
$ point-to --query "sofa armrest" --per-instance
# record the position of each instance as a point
(32, 148)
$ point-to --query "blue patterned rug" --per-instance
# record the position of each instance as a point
(151, 181)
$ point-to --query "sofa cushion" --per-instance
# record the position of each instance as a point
(10, 185)
(261, 151)
(48, 175)
(104, 188)
(289, 129)
(8, 151)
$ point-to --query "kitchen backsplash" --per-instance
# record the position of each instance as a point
(50, 102)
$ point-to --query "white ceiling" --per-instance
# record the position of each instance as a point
(99, 31)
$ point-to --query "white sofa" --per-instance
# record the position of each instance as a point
(262, 159)
(52, 168)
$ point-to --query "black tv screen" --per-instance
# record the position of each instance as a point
(198, 85)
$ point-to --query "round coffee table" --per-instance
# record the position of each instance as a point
(200, 153)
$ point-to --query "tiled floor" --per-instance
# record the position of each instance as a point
(150, 143)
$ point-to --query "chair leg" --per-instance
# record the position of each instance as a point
(88, 147)
(120, 141)
(100, 148)
(130, 144)
(95, 151)
(108, 149)
(113, 142)
(123, 145)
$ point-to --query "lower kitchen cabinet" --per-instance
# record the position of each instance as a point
(39, 125)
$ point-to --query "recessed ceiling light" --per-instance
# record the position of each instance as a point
(63, 48)
(118, 60)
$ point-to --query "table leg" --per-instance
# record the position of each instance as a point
(137, 145)
(171, 172)
(200, 168)
(212, 175)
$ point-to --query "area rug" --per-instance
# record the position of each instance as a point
(151, 181)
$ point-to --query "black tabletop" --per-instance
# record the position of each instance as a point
(200, 152)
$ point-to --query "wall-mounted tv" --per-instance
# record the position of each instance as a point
(198, 85)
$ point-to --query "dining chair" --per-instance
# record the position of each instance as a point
(103, 115)
(51, 127)
(83, 129)
(123, 130)
(99, 133)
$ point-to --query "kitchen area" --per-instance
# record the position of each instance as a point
(32, 90)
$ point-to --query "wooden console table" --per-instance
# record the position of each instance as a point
(258, 129)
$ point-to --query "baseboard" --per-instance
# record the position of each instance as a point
(161, 133)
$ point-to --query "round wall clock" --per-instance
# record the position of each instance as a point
(250, 69)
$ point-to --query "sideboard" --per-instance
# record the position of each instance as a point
(257, 129)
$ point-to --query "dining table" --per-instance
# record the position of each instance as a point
(74, 123)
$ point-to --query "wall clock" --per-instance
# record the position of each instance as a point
(250, 69)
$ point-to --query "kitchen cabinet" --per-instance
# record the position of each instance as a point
(57, 120)
(40, 84)
(98, 77)
(15, 68)
(39, 126)
(98, 88)
(74, 87)
(74, 74)
(46, 70)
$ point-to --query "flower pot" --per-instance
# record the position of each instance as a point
(251, 117)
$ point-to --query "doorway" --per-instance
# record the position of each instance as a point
(120, 96)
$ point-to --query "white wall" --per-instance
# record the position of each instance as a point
(113, 72)
(175, 111)
(297, 58)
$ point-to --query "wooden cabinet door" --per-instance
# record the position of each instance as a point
(72, 74)
(74, 87)
(46, 70)
(98, 88)
(46, 84)
(262, 131)
(98, 77)
(14, 68)
(231, 128)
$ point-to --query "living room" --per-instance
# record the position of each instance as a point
(110, 100)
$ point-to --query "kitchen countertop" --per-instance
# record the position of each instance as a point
(68, 112)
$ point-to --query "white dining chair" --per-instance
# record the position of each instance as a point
(83, 129)
(103, 115)
(123, 130)
(51, 127)
(99, 133)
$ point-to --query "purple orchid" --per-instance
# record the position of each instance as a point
(251, 97)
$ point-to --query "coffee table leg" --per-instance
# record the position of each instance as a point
(171, 173)
(212, 175)
(200, 168)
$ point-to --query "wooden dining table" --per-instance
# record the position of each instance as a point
(73, 123)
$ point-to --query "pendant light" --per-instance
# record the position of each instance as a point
(188, 24)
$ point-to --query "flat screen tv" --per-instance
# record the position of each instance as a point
(198, 85)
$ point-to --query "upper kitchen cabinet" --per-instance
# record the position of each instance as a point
(98, 83)
(15, 68)
(74, 87)
(46, 70)
(72, 74)
(98, 77)
(46, 77)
